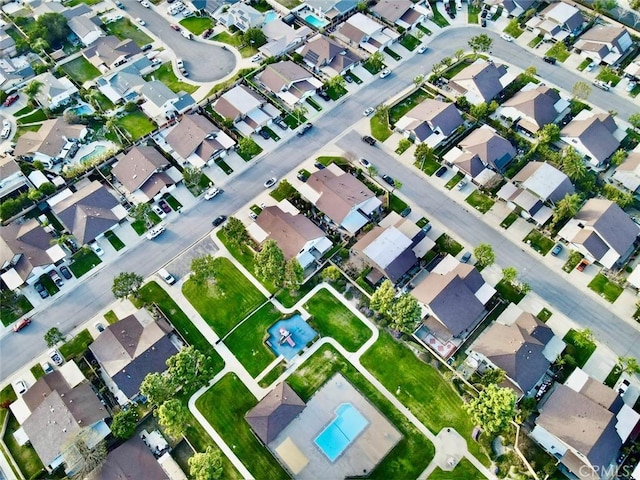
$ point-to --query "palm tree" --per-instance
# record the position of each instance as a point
(573, 165)
(32, 90)
(299, 112)
(112, 126)
(61, 240)
(93, 97)
(567, 207)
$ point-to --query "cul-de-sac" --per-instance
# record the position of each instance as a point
(319, 239)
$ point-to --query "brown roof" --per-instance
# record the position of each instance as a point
(131, 460)
(321, 50)
(537, 104)
(596, 133)
(392, 10)
(339, 193)
(136, 167)
(603, 34)
(291, 232)
(49, 139)
(351, 32)
(8, 166)
(109, 49)
(276, 76)
(237, 102)
(489, 146)
(194, 134)
(274, 412)
(485, 76)
(439, 114)
(156, 183)
(28, 239)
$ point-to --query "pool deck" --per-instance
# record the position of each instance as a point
(361, 456)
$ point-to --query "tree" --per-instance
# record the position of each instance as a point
(246, 145)
(424, 153)
(254, 37)
(583, 338)
(270, 263)
(157, 387)
(191, 176)
(405, 312)
(418, 79)
(331, 274)
(484, 255)
(567, 207)
(336, 83)
(479, 111)
(124, 424)
(293, 274)
(32, 89)
(53, 337)
(52, 27)
(493, 376)
(376, 61)
(530, 71)
(623, 199)
(235, 231)
(494, 408)
(627, 365)
(173, 417)
(204, 269)
(372, 171)
(40, 45)
(403, 145)
(93, 96)
(140, 212)
(130, 107)
(299, 112)
(47, 188)
(509, 275)
(79, 458)
(206, 465)
(480, 43)
(458, 54)
(125, 284)
(362, 6)
(383, 298)
(634, 120)
(573, 164)
(189, 369)
(602, 6)
(618, 157)
(581, 90)
(548, 134)
(447, 61)
(397, 185)
(111, 125)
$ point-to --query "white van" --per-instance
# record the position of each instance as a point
(166, 276)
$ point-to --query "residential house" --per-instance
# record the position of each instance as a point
(627, 173)
(14, 72)
(322, 13)
(130, 349)
(392, 248)
(48, 7)
(535, 185)
(247, 109)
(584, 423)
(364, 32)
(241, 16)
(633, 69)
(197, 141)
(605, 44)
(481, 81)
(124, 85)
(274, 412)
(144, 174)
(430, 122)
(86, 28)
(161, 103)
(54, 410)
(88, 212)
(110, 52)
(402, 13)
(533, 107)
(524, 348)
(454, 296)
(345, 200)
(510, 8)
(288, 81)
(296, 235)
(282, 38)
(47, 145)
(26, 252)
(211, 6)
(12, 181)
(602, 232)
(54, 91)
(557, 22)
(595, 136)
(7, 45)
(323, 54)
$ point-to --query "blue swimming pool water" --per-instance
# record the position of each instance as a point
(270, 16)
(314, 21)
(341, 432)
(82, 110)
(301, 334)
(99, 150)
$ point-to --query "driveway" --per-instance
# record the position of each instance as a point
(204, 61)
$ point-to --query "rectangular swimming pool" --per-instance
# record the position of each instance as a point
(341, 432)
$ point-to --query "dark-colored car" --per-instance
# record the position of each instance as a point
(405, 212)
(119, 5)
(318, 165)
(55, 277)
(66, 273)
(10, 100)
(466, 257)
(73, 150)
(20, 324)
(348, 79)
(370, 140)
(441, 171)
(164, 206)
(388, 179)
(146, 47)
(41, 290)
(280, 123)
(219, 220)
(304, 128)
(175, 27)
(324, 95)
(483, 23)
(207, 33)
(550, 60)
(484, 13)
(264, 134)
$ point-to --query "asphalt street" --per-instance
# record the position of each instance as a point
(204, 61)
(78, 305)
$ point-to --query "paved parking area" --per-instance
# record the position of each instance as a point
(180, 266)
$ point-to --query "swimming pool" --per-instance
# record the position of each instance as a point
(270, 16)
(341, 432)
(314, 21)
(96, 152)
(300, 333)
(82, 110)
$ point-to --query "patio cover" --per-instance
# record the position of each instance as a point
(292, 456)
(11, 279)
(56, 253)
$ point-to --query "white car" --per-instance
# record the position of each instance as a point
(155, 231)
(180, 63)
(6, 129)
(257, 58)
(20, 386)
(630, 86)
(141, 21)
(253, 215)
(385, 73)
(158, 211)
(212, 192)
(186, 34)
(506, 37)
(46, 367)
(422, 49)
(365, 163)
(270, 182)
(590, 67)
(368, 111)
(97, 248)
(145, 4)
(56, 357)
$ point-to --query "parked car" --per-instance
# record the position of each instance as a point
(207, 33)
(318, 165)
(257, 58)
(155, 231)
(96, 248)
(270, 182)
(41, 290)
(427, 228)
(119, 5)
(582, 265)
(158, 211)
(145, 4)
(365, 163)
(146, 47)
(368, 111)
(465, 257)
(388, 179)
(461, 184)
(56, 357)
(601, 85)
(484, 13)
(623, 387)
(305, 127)
(20, 386)
(630, 86)
(406, 212)
(180, 63)
(55, 277)
(175, 27)
(590, 67)
(99, 327)
(278, 121)
(219, 220)
(183, 72)
(550, 60)
(186, 34)
(385, 73)
(10, 100)
(253, 215)
(507, 37)
(323, 95)
(46, 367)
(348, 79)
(166, 276)
(141, 21)
(6, 128)
(264, 134)
(556, 250)
(66, 273)
(422, 49)
(20, 324)
(212, 192)
(164, 206)
(441, 171)
(483, 22)
(370, 140)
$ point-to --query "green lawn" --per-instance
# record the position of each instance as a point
(613, 377)
(430, 166)
(226, 301)
(410, 456)
(463, 471)
(83, 261)
(454, 181)
(544, 315)
(114, 240)
(605, 288)
(580, 353)
(229, 39)
(103, 102)
(329, 160)
(608, 76)
(124, 29)
(26, 457)
(410, 42)
(111, 317)
(9, 313)
(446, 244)
(273, 374)
(48, 284)
(197, 25)
(332, 319)
(282, 191)
(315, 105)
(380, 128)
(230, 424)
(558, 51)
(81, 70)
(438, 18)
(172, 201)
(250, 150)
(509, 220)
(37, 371)
(480, 201)
(584, 64)
(513, 28)
(401, 108)
(473, 11)
(396, 204)
(392, 54)
(572, 262)
(247, 341)
(288, 298)
(35, 117)
(137, 124)
(422, 389)
(533, 43)
(167, 76)
(335, 92)
(75, 347)
(538, 242)
(509, 292)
